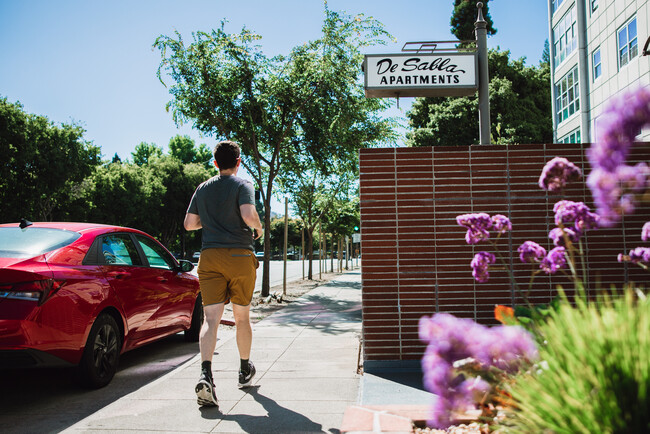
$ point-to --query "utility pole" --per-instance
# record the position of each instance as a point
(286, 241)
(483, 77)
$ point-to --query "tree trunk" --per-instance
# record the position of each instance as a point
(266, 272)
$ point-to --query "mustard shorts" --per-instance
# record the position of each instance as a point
(227, 274)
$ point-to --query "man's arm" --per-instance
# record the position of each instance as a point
(192, 222)
(252, 219)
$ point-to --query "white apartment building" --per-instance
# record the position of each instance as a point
(597, 51)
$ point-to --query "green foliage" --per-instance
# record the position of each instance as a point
(465, 15)
(520, 109)
(44, 167)
(342, 216)
(125, 195)
(145, 152)
(294, 234)
(151, 197)
(184, 149)
(594, 374)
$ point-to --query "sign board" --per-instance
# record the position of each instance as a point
(356, 238)
(428, 74)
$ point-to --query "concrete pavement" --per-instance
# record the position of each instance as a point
(306, 356)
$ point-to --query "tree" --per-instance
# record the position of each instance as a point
(463, 19)
(179, 181)
(294, 238)
(228, 88)
(126, 195)
(546, 54)
(520, 108)
(44, 166)
(184, 149)
(145, 152)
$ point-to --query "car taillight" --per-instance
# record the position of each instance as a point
(39, 291)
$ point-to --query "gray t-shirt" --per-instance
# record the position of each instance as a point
(217, 202)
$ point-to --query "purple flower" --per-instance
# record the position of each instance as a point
(477, 225)
(567, 211)
(640, 254)
(530, 251)
(480, 265)
(501, 223)
(438, 373)
(448, 336)
(614, 184)
(507, 348)
(645, 232)
(557, 235)
(555, 260)
(452, 339)
(620, 122)
(473, 390)
(441, 410)
(557, 173)
(614, 192)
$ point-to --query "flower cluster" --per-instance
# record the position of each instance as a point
(480, 265)
(576, 213)
(645, 232)
(555, 260)
(616, 186)
(531, 252)
(454, 343)
(557, 173)
(478, 226)
(638, 255)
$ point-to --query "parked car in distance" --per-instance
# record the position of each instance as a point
(82, 294)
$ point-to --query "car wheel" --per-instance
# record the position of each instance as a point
(192, 334)
(102, 353)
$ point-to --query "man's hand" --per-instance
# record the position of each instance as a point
(258, 233)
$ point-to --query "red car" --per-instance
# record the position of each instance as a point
(82, 294)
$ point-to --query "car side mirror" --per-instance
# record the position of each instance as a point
(186, 266)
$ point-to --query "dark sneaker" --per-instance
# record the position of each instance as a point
(245, 380)
(205, 391)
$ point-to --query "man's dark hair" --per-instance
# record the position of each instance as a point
(226, 154)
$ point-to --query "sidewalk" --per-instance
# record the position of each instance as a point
(306, 356)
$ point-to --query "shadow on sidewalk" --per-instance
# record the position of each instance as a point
(277, 420)
(320, 312)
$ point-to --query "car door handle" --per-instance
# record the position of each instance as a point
(161, 279)
(119, 274)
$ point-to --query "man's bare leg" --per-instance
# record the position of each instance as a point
(208, 335)
(244, 331)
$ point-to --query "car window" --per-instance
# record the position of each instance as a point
(30, 242)
(118, 249)
(155, 254)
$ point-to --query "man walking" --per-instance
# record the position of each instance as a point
(224, 207)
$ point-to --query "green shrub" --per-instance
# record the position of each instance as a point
(594, 371)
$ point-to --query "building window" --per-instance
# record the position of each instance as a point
(594, 5)
(556, 4)
(597, 66)
(565, 36)
(567, 100)
(572, 137)
(628, 47)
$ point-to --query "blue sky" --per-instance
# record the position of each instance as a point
(91, 62)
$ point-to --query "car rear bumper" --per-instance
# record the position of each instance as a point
(27, 343)
(29, 358)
